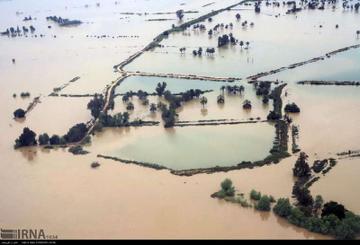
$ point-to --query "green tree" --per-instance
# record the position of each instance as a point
(227, 187)
(264, 204)
(203, 101)
(19, 113)
(44, 139)
(302, 168)
(255, 195)
(283, 207)
(27, 138)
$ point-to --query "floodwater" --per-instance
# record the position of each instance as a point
(299, 38)
(193, 110)
(59, 192)
(341, 67)
(329, 121)
(184, 147)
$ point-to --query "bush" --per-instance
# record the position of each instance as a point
(27, 138)
(297, 217)
(54, 140)
(19, 113)
(263, 204)
(44, 139)
(292, 108)
(254, 195)
(283, 207)
(227, 187)
(77, 150)
(344, 232)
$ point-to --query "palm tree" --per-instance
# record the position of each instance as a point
(203, 101)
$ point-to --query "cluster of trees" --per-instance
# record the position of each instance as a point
(24, 94)
(202, 27)
(168, 114)
(263, 89)
(13, 32)
(226, 39)
(117, 120)
(63, 22)
(335, 220)
(232, 89)
(28, 137)
(227, 189)
(96, 105)
(292, 108)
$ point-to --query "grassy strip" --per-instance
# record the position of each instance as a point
(144, 164)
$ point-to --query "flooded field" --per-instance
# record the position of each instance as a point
(51, 72)
(304, 39)
(184, 148)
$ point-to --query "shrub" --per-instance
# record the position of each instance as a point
(292, 108)
(297, 217)
(44, 139)
(344, 232)
(283, 207)
(54, 140)
(19, 113)
(227, 187)
(77, 150)
(263, 204)
(254, 195)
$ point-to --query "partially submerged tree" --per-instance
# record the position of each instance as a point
(302, 168)
(27, 138)
(19, 113)
(180, 14)
(203, 101)
(160, 89)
